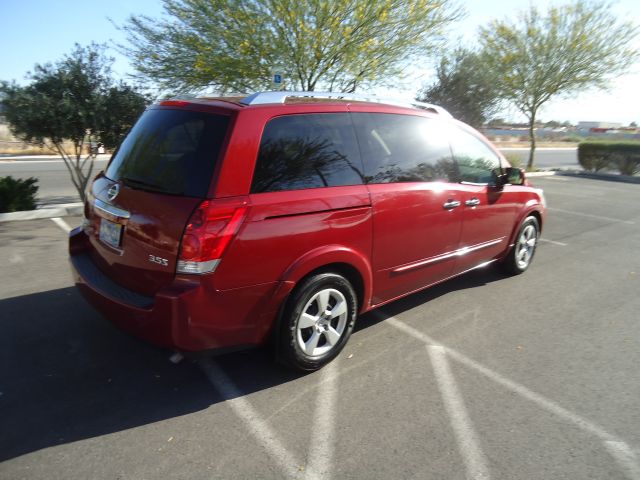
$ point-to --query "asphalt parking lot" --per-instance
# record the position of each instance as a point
(484, 376)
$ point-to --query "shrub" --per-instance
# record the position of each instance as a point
(17, 194)
(627, 164)
(623, 156)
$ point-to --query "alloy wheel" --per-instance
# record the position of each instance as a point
(322, 322)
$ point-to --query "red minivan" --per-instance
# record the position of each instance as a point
(222, 223)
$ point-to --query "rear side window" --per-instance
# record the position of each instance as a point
(403, 148)
(307, 151)
(170, 151)
(477, 162)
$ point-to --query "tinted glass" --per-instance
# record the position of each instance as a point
(170, 151)
(403, 148)
(476, 161)
(307, 151)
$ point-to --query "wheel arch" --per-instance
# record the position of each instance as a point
(531, 211)
(353, 265)
(349, 263)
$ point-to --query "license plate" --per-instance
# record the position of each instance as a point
(110, 233)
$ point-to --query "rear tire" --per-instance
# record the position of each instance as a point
(521, 254)
(317, 322)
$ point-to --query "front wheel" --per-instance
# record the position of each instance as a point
(317, 321)
(520, 256)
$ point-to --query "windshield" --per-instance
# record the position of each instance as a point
(170, 151)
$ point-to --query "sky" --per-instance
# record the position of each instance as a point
(40, 31)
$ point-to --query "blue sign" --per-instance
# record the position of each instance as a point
(277, 79)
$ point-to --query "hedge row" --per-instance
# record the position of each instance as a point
(621, 156)
(17, 194)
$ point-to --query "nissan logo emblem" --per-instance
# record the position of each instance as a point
(113, 191)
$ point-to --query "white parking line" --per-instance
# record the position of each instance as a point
(560, 244)
(589, 215)
(252, 420)
(15, 258)
(616, 447)
(468, 444)
(625, 458)
(64, 226)
(320, 458)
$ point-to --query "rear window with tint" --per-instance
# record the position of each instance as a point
(307, 151)
(170, 151)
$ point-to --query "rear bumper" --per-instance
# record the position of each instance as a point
(189, 314)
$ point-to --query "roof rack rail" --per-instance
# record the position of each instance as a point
(262, 98)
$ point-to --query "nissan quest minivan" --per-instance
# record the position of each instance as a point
(229, 222)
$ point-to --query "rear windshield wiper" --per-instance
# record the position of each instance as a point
(141, 184)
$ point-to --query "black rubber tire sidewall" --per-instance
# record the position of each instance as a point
(289, 353)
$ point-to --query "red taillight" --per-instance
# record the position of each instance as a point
(208, 233)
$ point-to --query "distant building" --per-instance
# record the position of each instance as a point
(598, 125)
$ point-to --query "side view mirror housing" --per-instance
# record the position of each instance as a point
(514, 176)
(508, 176)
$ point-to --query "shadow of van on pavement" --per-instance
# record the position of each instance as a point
(66, 374)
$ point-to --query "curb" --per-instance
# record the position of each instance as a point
(611, 177)
(541, 174)
(61, 210)
(38, 158)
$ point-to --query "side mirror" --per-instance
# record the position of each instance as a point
(498, 179)
(514, 176)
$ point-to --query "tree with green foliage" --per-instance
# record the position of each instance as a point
(75, 102)
(464, 87)
(564, 50)
(237, 45)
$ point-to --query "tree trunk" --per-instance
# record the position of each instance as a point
(532, 140)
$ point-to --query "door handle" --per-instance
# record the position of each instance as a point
(450, 204)
(472, 202)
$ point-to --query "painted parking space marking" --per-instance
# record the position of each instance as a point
(625, 457)
(617, 448)
(589, 215)
(64, 226)
(320, 457)
(466, 437)
(553, 242)
(258, 428)
(322, 421)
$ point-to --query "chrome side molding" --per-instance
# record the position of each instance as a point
(445, 256)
